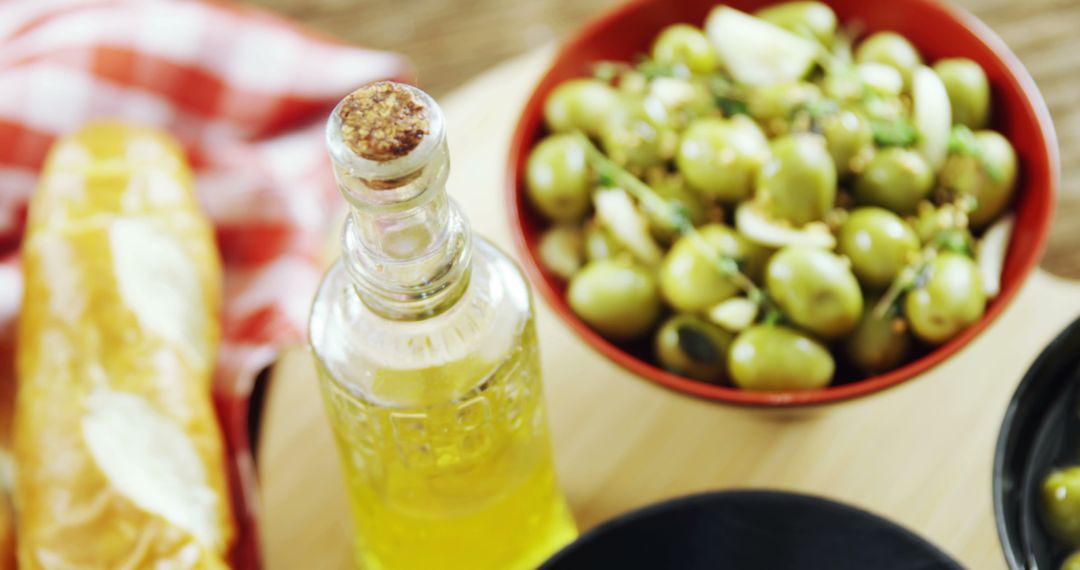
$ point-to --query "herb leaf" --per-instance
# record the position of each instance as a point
(954, 241)
(819, 109)
(652, 69)
(727, 96)
(898, 132)
(731, 107)
(963, 142)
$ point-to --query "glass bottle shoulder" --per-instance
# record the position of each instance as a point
(421, 362)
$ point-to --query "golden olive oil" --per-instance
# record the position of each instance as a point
(428, 360)
(464, 484)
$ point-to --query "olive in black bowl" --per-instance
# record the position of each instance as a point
(1036, 493)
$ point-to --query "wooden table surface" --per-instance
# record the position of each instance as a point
(919, 453)
(451, 41)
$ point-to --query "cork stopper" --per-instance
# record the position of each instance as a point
(382, 121)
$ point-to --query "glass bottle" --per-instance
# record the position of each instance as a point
(428, 358)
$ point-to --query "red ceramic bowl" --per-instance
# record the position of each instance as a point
(938, 30)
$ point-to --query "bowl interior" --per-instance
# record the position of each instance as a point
(750, 530)
(1041, 430)
(938, 31)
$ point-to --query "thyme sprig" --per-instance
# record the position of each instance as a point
(676, 216)
(952, 237)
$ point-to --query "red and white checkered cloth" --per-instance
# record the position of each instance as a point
(247, 94)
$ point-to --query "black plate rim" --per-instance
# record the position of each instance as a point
(676, 503)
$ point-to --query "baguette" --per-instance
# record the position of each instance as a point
(118, 454)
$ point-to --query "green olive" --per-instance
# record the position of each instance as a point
(1072, 562)
(943, 225)
(673, 189)
(799, 183)
(990, 177)
(893, 50)
(683, 44)
(631, 138)
(777, 358)
(691, 280)
(580, 104)
(878, 343)
(929, 220)
(1061, 503)
(599, 243)
(561, 250)
(844, 85)
(557, 178)
(879, 244)
(950, 300)
(848, 136)
(895, 178)
(879, 79)
(781, 100)
(812, 20)
(616, 298)
(815, 289)
(720, 157)
(693, 347)
(673, 103)
(886, 108)
(969, 91)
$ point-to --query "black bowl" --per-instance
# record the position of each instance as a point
(1041, 430)
(749, 530)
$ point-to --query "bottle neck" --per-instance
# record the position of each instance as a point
(406, 245)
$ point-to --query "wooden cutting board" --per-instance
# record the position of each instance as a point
(919, 453)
